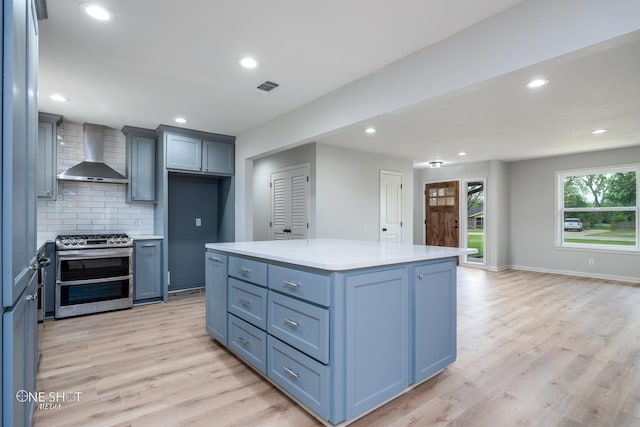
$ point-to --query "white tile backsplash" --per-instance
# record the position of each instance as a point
(86, 206)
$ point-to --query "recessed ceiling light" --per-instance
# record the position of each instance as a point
(96, 11)
(435, 164)
(370, 130)
(599, 131)
(462, 153)
(248, 62)
(535, 83)
(58, 98)
(180, 120)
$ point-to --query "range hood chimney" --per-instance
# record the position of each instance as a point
(93, 168)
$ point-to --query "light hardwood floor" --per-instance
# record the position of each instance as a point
(533, 350)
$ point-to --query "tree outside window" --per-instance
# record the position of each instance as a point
(599, 208)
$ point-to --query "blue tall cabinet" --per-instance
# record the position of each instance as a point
(19, 110)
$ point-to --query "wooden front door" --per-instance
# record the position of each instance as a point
(441, 221)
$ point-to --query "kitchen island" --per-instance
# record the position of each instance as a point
(340, 326)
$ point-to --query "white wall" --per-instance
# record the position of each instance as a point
(262, 170)
(348, 193)
(86, 206)
(532, 240)
(526, 34)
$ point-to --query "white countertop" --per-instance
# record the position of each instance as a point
(336, 254)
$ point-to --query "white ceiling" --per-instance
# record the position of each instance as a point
(162, 59)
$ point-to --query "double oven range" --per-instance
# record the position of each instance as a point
(94, 273)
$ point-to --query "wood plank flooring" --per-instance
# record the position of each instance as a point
(534, 349)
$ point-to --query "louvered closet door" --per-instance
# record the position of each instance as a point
(290, 204)
(280, 205)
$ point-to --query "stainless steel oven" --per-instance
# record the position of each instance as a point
(93, 275)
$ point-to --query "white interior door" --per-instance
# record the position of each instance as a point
(390, 207)
(290, 204)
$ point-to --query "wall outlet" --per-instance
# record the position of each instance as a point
(198, 222)
(592, 261)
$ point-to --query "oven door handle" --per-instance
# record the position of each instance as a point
(93, 254)
(92, 281)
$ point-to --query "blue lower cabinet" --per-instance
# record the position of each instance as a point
(19, 335)
(303, 377)
(434, 299)
(249, 343)
(376, 338)
(216, 296)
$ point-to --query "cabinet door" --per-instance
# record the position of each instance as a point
(184, 153)
(19, 341)
(217, 157)
(377, 338)
(216, 296)
(142, 175)
(46, 169)
(147, 269)
(434, 299)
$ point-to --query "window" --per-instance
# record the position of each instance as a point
(598, 208)
(475, 213)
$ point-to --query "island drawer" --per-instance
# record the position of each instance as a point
(301, 376)
(249, 302)
(249, 343)
(303, 325)
(301, 284)
(248, 270)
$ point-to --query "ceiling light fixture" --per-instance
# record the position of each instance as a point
(248, 62)
(536, 83)
(58, 98)
(599, 131)
(97, 12)
(370, 130)
(462, 153)
(435, 164)
(180, 120)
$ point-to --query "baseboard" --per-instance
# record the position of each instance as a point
(576, 273)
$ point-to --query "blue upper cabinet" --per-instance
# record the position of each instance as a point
(141, 164)
(217, 157)
(184, 153)
(198, 152)
(46, 187)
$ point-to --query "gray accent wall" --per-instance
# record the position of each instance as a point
(532, 240)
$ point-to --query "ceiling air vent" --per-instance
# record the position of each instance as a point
(267, 86)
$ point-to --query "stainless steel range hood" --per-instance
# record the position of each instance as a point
(93, 168)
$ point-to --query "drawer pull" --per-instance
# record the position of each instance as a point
(244, 340)
(290, 285)
(216, 259)
(245, 301)
(291, 323)
(148, 245)
(244, 270)
(291, 373)
(420, 276)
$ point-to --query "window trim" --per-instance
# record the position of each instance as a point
(560, 209)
